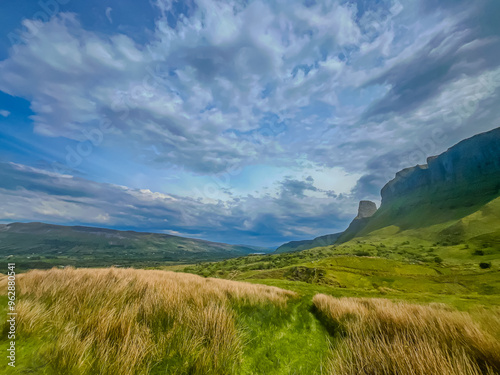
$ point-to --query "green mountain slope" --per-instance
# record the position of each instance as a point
(433, 197)
(436, 237)
(433, 201)
(291, 246)
(39, 245)
(456, 262)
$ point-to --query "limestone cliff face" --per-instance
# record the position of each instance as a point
(470, 167)
(449, 185)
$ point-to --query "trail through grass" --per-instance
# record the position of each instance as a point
(290, 341)
(96, 321)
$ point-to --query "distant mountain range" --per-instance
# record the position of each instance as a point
(449, 188)
(39, 245)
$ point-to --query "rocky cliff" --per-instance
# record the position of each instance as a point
(470, 167)
(366, 209)
(450, 186)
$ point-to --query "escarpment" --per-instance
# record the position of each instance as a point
(470, 167)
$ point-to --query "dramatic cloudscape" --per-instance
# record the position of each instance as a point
(254, 122)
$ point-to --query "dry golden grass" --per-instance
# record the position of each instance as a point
(377, 336)
(126, 321)
(489, 319)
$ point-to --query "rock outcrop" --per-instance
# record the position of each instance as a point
(366, 209)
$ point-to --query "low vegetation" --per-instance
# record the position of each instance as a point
(124, 321)
(127, 321)
(377, 336)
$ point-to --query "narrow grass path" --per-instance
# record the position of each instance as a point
(283, 341)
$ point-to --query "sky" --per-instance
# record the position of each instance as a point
(246, 122)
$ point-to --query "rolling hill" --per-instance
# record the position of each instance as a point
(39, 245)
(291, 246)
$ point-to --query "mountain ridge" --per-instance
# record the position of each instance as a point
(476, 158)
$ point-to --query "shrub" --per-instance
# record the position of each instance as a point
(438, 260)
(484, 265)
(479, 252)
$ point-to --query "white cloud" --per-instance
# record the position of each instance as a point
(108, 14)
(190, 85)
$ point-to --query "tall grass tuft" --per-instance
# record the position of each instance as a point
(126, 321)
(377, 336)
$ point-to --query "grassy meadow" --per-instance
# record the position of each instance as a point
(397, 300)
(126, 321)
(129, 321)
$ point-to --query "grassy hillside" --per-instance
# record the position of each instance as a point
(39, 245)
(124, 321)
(321, 270)
(458, 237)
(325, 240)
(461, 255)
(421, 212)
